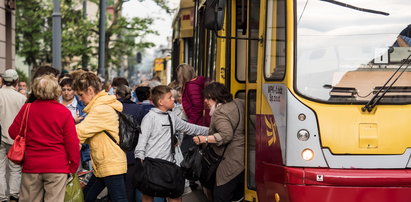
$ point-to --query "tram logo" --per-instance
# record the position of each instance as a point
(271, 129)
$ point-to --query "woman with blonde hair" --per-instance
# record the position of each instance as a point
(100, 129)
(52, 145)
(192, 101)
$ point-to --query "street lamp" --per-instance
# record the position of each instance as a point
(56, 50)
(102, 38)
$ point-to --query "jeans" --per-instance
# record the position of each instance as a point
(13, 171)
(114, 183)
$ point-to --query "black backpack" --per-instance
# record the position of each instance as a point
(129, 131)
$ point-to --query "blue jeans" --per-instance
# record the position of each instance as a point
(114, 183)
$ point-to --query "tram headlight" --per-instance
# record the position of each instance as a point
(303, 135)
(307, 154)
(301, 117)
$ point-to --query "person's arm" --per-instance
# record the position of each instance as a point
(204, 139)
(14, 128)
(188, 128)
(225, 132)
(96, 122)
(146, 128)
(71, 143)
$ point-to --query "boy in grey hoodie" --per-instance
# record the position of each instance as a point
(154, 140)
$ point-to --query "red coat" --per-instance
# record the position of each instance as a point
(52, 145)
(193, 102)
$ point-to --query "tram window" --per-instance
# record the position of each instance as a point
(201, 40)
(253, 45)
(241, 25)
(240, 95)
(211, 55)
(188, 51)
(275, 52)
(251, 105)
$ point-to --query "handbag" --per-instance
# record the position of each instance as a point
(211, 160)
(191, 165)
(209, 164)
(160, 178)
(73, 193)
(17, 150)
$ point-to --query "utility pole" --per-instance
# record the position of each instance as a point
(56, 50)
(102, 33)
(84, 57)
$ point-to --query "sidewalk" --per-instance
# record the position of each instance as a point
(195, 196)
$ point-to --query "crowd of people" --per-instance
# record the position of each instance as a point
(70, 122)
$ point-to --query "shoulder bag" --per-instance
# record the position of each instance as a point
(158, 177)
(17, 150)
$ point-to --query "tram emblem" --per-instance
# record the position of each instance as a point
(271, 129)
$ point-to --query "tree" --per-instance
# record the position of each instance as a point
(34, 31)
(123, 36)
(30, 28)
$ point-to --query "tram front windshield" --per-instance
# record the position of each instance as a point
(347, 50)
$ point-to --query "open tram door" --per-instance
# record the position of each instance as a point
(239, 64)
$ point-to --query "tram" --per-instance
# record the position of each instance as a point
(162, 69)
(328, 92)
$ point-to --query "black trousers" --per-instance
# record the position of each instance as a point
(130, 188)
(230, 191)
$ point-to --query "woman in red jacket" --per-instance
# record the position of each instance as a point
(192, 100)
(52, 145)
(193, 103)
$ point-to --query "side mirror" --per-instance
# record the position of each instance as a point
(214, 14)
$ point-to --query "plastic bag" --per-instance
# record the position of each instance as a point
(74, 193)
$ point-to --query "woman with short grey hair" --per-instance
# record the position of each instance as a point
(52, 145)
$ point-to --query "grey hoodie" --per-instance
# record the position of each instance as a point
(154, 140)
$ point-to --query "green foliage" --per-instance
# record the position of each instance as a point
(22, 76)
(34, 31)
(124, 36)
(31, 24)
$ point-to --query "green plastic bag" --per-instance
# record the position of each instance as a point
(74, 193)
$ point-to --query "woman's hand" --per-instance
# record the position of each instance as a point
(197, 139)
(78, 119)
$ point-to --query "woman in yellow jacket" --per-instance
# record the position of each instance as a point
(108, 159)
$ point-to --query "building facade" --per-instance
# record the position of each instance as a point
(7, 34)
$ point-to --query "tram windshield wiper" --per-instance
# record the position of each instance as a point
(385, 88)
(356, 8)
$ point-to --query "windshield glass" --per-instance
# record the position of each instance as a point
(347, 50)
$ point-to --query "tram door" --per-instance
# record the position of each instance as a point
(244, 59)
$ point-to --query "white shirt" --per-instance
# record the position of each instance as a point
(72, 106)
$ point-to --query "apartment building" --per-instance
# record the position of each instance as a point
(7, 34)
